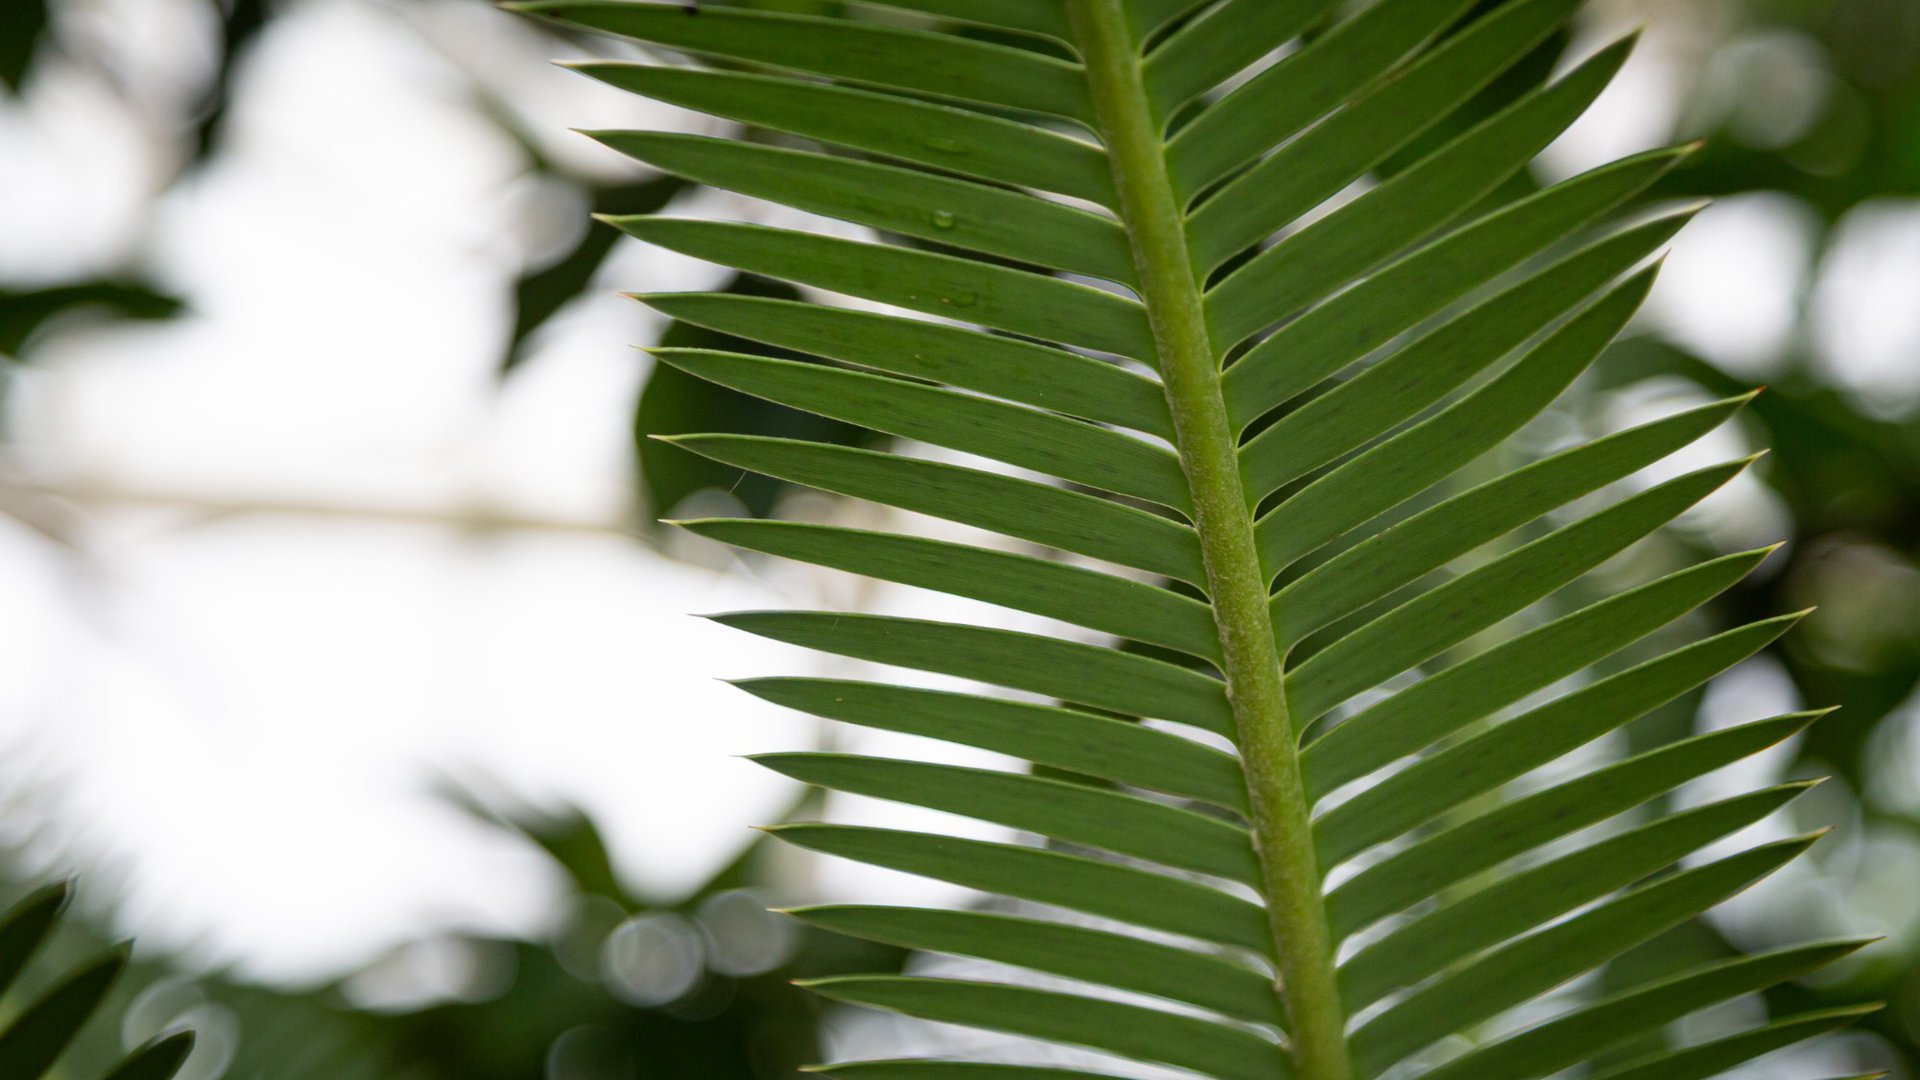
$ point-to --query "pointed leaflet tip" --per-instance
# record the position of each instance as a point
(60, 892)
(822, 984)
(1669, 157)
(1867, 1008)
(1799, 721)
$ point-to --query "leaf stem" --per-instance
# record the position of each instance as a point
(1190, 369)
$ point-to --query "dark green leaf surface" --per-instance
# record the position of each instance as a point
(1120, 751)
(976, 217)
(1153, 16)
(1313, 168)
(1073, 952)
(1116, 605)
(1075, 813)
(1020, 508)
(1527, 899)
(1426, 541)
(1023, 437)
(1329, 337)
(862, 53)
(1210, 49)
(1566, 1040)
(1472, 689)
(1086, 674)
(1713, 1058)
(1510, 975)
(1004, 367)
(1128, 1030)
(1005, 299)
(940, 136)
(1484, 841)
(1312, 263)
(1045, 17)
(1292, 94)
(1544, 733)
(1155, 901)
(1448, 614)
(1422, 373)
(1427, 453)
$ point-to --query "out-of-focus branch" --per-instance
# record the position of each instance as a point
(51, 504)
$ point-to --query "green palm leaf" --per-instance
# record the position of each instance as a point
(39, 1031)
(1116, 266)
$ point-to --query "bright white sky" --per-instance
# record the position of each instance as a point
(248, 712)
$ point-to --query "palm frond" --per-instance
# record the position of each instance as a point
(33, 1040)
(1121, 278)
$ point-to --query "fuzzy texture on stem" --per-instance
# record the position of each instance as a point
(1190, 368)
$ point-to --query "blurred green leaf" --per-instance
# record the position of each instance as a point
(21, 24)
(540, 295)
(23, 311)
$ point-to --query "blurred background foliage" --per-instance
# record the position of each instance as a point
(697, 985)
(1812, 112)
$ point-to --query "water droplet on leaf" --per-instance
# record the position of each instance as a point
(943, 219)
